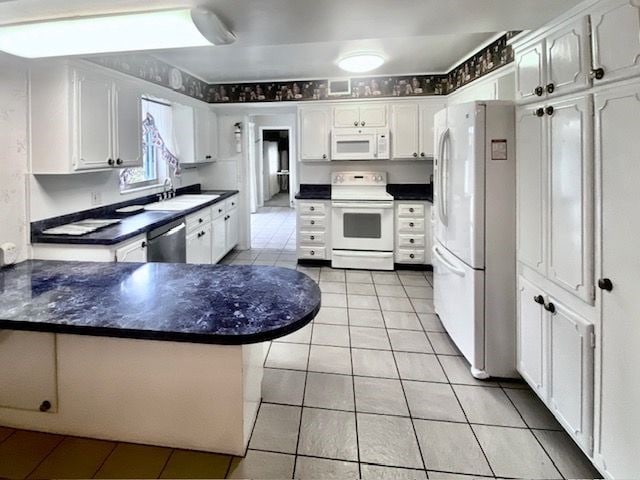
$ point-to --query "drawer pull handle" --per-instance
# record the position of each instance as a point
(45, 406)
(219, 210)
(597, 73)
(411, 210)
(411, 255)
(110, 162)
(411, 224)
(411, 240)
(605, 284)
(549, 110)
(539, 299)
(550, 307)
(538, 91)
(312, 252)
(324, 155)
(312, 237)
(550, 88)
(539, 112)
(200, 220)
(312, 222)
(143, 245)
(355, 124)
(313, 209)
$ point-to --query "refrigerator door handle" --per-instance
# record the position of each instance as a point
(441, 177)
(446, 263)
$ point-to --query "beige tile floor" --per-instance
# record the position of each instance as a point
(372, 388)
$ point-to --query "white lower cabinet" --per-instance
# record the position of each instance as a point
(556, 357)
(133, 251)
(413, 232)
(232, 234)
(28, 373)
(218, 239)
(313, 237)
(199, 244)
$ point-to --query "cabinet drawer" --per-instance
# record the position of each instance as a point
(411, 225)
(411, 210)
(312, 209)
(406, 255)
(217, 210)
(312, 252)
(411, 240)
(199, 218)
(231, 203)
(313, 238)
(312, 222)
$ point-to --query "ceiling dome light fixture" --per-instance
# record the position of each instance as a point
(124, 32)
(361, 62)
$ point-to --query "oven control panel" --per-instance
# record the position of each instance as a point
(359, 178)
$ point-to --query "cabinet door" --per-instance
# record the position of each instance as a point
(218, 239)
(206, 241)
(571, 362)
(405, 131)
(194, 246)
(346, 116)
(213, 135)
(93, 125)
(314, 133)
(135, 251)
(571, 185)
(426, 123)
(531, 182)
(617, 146)
(531, 337)
(184, 132)
(28, 373)
(128, 125)
(530, 73)
(568, 58)
(373, 115)
(202, 135)
(615, 36)
(232, 230)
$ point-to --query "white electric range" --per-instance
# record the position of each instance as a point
(362, 221)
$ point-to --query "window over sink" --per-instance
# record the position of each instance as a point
(157, 146)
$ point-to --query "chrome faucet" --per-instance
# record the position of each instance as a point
(167, 184)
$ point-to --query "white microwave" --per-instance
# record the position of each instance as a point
(360, 144)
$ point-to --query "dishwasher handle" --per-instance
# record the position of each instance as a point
(175, 230)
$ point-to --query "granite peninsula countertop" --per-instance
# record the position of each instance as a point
(400, 191)
(214, 304)
(129, 226)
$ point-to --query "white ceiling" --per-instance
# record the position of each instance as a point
(285, 39)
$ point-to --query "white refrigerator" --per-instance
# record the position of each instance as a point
(474, 215)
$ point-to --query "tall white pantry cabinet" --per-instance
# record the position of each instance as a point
(578, 177)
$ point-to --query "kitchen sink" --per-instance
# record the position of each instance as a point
(182, 202)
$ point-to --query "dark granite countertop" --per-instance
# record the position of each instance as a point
(129, 226)
(214, 304)
(308, 191)
(411, 191)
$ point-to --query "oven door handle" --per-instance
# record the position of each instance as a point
(362, 205)
(446, 263)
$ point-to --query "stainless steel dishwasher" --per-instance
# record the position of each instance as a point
(168, 244)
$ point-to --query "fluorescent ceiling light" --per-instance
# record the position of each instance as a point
(115, 33)
(361, 62)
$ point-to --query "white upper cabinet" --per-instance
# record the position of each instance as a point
(427, 112)
(405, 131)
(557, 64)
(571, 212)
(617, 111)
(532, 329)
(530, 75)
(196, 134)
(567, 58)
(531, 186)
(571, 367)
(93, 119)
(315, 128)
(128, 125)
(360, 115)
(615, 34)
(97, 119)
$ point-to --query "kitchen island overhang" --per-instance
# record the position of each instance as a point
(77, 336)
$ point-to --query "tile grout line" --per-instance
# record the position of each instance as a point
(46, 456)
(105, 459)
(166, 462)
(353, 384)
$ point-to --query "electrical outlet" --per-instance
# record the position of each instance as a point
(96, 198)
(8, 254)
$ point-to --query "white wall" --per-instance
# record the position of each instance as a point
(13, 152)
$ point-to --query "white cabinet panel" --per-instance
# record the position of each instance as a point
(346, 116)
(571, 357)
(232, 229)
(405, 131)
(530, 75)
(315, 125)
(202, 132)
(93, 119)
(128, 125)
(617, 146)
(28, 373)
(531, 191)
(374, 115)
(568, 58)
(427, 112)
(615, 36)
(134, 251)
(199, 245)
(571, 234)
(531, 337)
(219, 238)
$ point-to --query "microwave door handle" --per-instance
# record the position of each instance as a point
(449, 265)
